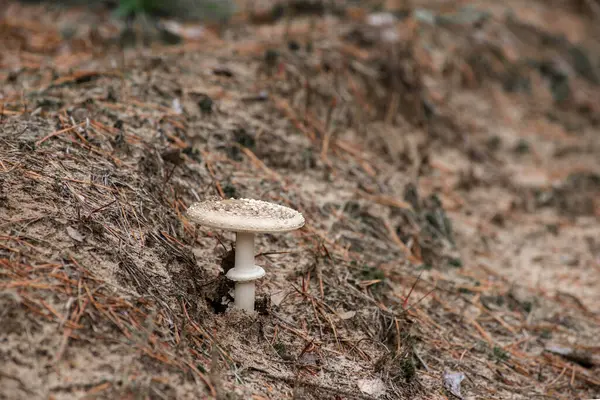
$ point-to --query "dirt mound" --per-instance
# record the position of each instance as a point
(445, 160)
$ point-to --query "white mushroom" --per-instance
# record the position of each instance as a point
(245, 217)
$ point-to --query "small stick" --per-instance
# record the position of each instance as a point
(385, 200)
(397, 335)
(259, 163)
(320, 276)
(101, 208)
(401, 245)
(405, 302)
(60, 132)
(558, 377)
(328, 129)
(212, 174)
(483, 333)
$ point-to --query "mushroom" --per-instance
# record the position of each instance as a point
(245, 217)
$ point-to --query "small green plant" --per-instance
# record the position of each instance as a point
(208, 10)
(500, 354)
(135, 7)
(408, 368)
(372, 273)
(279, 348)
(455, 262)
(282, 350)
(546, 334)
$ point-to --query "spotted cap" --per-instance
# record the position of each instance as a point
(245, 215)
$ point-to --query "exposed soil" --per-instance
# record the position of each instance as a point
(447, 165)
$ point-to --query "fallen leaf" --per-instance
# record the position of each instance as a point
(277, 298)
(74, 234)
(347, 314)
(452, 382)
(374, 387)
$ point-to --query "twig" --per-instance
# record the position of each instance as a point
(60, 132)
(401, 245)
(483, 333)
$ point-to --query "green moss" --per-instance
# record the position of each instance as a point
(372, 273)
(135, 7)
(408, 368)
(281, 350)
(522, 147)
(500, 354)
(207, 10)
(455, 262)
(546, 334)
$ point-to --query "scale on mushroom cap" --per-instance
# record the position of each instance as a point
(245, 217)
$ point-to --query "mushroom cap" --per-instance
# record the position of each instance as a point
(245, 215)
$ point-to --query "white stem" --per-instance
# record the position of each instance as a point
(244, 251)
(244, 261)
(244, 295)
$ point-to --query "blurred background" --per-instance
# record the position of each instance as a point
(450, 147)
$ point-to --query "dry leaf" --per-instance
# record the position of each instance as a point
(373, 387)
(347, 314)
(74, 234)
(452, 382)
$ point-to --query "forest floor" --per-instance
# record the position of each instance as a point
(446, 158)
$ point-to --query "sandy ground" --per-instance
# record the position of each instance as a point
(450, 181)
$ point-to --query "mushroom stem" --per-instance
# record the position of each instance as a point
(244, 251)
(244, 262)
(245, 272)
(244, 295)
